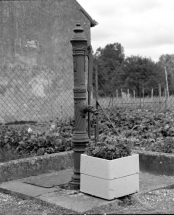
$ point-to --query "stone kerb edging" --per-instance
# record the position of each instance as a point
(156, 163)
(22, 168)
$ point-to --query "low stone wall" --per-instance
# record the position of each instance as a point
(22, 168)
(151, 162)
(156, 163)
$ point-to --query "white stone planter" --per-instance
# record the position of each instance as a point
(109, 179)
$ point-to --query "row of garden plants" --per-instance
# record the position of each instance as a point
(33, 140)
(138, 129)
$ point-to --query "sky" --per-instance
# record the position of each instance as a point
(143, 27)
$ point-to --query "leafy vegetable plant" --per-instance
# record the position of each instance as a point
(109, 148)
(22, 142)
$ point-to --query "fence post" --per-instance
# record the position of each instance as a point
(159, 88)
(165, 93)
(80, 137)
(61, 111)
(134, 94)
(139, 92)
(116, 97)
(96, 87)
(128, 92)
(122, 97)
(128, 97)
(167, 84)
(152, 93)
(143, 96)
(140, 98)
(117, 94)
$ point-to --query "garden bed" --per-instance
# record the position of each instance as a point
(141, 129)
(28, 140)
(152, 134)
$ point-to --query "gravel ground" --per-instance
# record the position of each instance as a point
(161, 200)
(155, 202)
(12, 205)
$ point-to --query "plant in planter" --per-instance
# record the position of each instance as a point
(109, 170)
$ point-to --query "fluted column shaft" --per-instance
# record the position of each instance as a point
(80, 137)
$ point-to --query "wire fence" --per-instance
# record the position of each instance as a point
(156, 97)
(35, 94)
(42, 94)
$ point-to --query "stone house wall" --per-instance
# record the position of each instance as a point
(36, 75)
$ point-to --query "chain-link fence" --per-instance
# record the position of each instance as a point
(41, 94)
(35, 94)
(140, 95)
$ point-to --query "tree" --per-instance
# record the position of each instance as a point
(108, 60)
(142, 73)
(167, 63)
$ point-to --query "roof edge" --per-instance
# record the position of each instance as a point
(93, 22)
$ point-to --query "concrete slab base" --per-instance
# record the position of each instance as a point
(51, 180)
(26, 189)
(71, 199)
(151, 182)
(74, 200)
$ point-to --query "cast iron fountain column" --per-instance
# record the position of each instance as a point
(80, 137)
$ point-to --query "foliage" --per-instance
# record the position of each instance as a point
(18, 142)
(108, 60)
(135, 129)
(110, 56)
(167, 61)
(109, 148)
(142, 129)
(166, 146)
(135, 73)
(142, 74)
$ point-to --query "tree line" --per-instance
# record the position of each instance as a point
(137, 73)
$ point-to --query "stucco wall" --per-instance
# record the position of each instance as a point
(36, 75)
